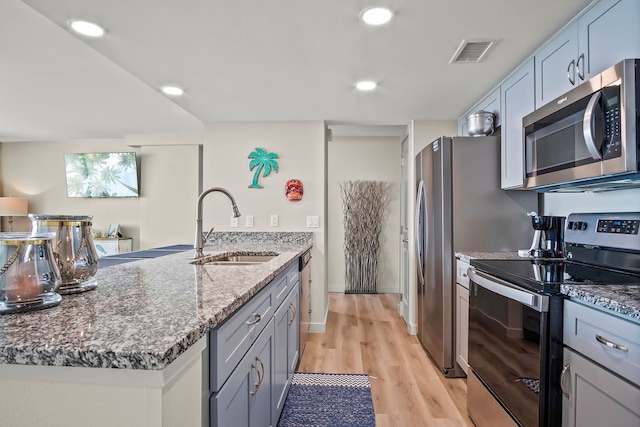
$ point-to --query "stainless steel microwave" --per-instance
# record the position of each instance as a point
(587, 139)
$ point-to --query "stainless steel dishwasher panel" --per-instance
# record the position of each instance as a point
(305, 299)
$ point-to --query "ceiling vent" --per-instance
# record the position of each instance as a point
(471, 51)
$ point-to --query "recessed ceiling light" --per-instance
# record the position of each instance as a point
(86, 28)
(376, 15)
(366, 85)
(172, 90)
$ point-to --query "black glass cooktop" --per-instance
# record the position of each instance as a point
(546, 275)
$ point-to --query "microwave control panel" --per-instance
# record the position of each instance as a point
(612, 122)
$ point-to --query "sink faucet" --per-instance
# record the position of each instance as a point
(200, 238)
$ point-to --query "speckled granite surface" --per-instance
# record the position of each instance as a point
(623, 299)
(145, 313)
(466, 256)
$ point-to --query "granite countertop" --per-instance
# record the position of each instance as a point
(145, 313)
(622, 299)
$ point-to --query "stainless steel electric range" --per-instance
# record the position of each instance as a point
(515, 318)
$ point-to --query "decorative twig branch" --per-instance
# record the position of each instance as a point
(365, 206)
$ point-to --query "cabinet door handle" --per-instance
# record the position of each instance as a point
(578, 67)
(565, 369)
(293, 313)
(260, 377)
(571, 74)
(257, 319)
(603, 340)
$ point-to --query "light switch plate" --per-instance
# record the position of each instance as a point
(274, 220)
(313, 222)
(249, 221)
(234, 222)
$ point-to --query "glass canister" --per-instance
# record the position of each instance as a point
(73, 249)
(29, 275)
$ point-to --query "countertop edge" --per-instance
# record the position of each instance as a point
(145, 359)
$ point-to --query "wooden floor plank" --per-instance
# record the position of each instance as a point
(365, 334)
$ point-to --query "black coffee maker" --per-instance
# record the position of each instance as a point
(548, 241)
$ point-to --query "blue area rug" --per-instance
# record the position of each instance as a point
(328, 400)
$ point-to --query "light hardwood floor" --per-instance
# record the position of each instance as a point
(365, 334)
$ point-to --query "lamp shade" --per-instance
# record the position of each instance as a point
(13, 206)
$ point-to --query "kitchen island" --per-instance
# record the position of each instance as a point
(134, 350)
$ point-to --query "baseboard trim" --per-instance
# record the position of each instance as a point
(320, 327)
(392, 289)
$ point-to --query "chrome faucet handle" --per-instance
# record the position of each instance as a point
(205, 236)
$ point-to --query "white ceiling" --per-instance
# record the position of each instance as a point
(251, 60)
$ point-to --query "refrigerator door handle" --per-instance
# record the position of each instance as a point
(418, 213)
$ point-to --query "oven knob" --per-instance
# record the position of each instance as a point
(576, 225)
(583, 226)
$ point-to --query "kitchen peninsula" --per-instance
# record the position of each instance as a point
(134, 351)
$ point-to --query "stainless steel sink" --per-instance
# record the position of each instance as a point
(239, 259)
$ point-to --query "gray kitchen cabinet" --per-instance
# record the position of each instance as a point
(517, 101)
(491, 102)
(602, 36)
(608, 33)
(555, 66)
(251, 366)
(462, 315)
(229, 342)
(245, 398)
(601, 375)
(286, 349)
(595, 397)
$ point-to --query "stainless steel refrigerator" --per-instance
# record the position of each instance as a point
(460, 207)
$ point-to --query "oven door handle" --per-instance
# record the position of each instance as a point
(507, 290)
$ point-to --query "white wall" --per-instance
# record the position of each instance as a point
(36, 170)
(300, 147)
(170, 171)
(163, 214)
(364, 158)
(609, 201)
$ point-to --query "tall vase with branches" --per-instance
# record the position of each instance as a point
(365, 206)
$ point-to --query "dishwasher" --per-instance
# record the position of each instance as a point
(305, 300)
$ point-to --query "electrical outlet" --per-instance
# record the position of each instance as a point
(274, 220)
(249, 221)
(313, 222)
(234, 222)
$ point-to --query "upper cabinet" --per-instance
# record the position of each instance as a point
(491, 103)
(608, 33)
(517, 102)
(605, 34)
(555, 66)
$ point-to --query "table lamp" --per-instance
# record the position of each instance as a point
(13, 206)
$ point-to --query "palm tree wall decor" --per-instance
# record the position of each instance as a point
(261, 161)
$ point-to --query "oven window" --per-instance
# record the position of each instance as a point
(504, 351)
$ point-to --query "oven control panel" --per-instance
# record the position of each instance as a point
(613, 230)
(618, 226)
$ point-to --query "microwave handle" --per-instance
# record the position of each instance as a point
(588, 126)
